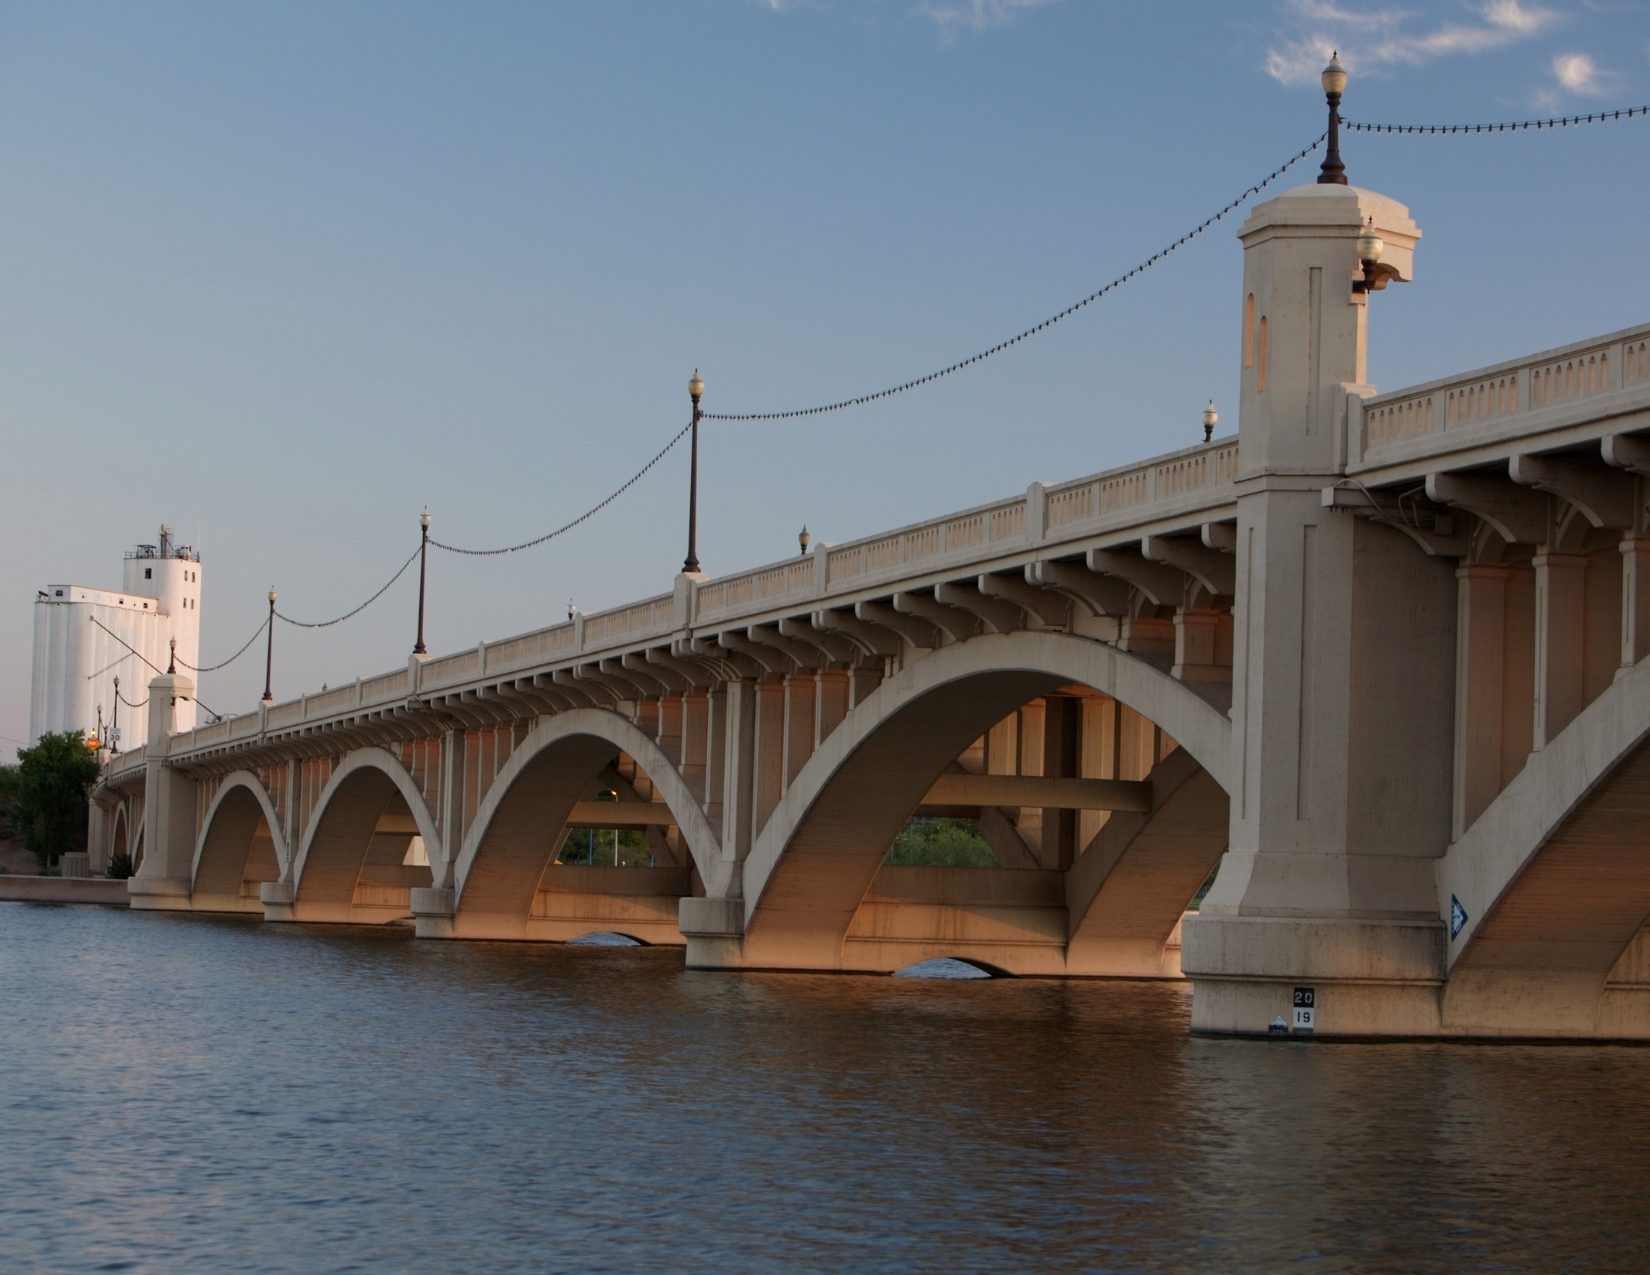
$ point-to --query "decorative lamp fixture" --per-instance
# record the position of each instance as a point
(172, 659)
(1210, 419)
(269, 647)
(423, 558)
(1333, 172)
(803, 540)
(571, 610)
(690, 564)
(1370, 247)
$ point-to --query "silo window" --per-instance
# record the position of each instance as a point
(148, 573)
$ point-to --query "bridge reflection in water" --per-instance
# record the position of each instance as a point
(1381, 658)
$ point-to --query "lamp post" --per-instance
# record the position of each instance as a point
(1333, 172)
(803, 540)
(423, 556)
(114, 728)
(1210, 419)
(690, 564)
(269, 648)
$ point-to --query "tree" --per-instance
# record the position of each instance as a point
(53, 779)
(8, 802)
(941, 843)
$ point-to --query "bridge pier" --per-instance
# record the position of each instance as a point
(1344, 649)
(165, 880)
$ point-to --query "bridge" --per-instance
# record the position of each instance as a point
(1377, 665)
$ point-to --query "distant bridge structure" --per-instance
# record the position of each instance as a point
(1380, 659)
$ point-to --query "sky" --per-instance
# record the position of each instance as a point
(282, 274)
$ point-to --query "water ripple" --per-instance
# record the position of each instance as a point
(186, 1093)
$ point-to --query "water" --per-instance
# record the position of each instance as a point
(183, 1093)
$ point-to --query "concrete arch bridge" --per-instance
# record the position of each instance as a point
(1380, 659)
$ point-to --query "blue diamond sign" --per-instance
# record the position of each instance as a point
(1457, 917)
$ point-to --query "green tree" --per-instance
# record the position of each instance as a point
(8, 802)
(941, 843)
(53, 779)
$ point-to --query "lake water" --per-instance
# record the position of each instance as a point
(186, 1093)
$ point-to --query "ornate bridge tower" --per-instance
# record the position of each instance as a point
(1343, 661)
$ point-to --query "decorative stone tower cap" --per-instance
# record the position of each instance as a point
(1322, 210)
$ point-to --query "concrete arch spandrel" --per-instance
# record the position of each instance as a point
(1554, 876)
(335, 844)
(221, 852)
(508, 844)
(819, 851)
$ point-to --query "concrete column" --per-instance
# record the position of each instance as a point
(1635, 599)
(671, 727)
(1560, 626)
(739, 767)
(716, 753)
(695, 720)
(1197, 654)
(1480, 643)
(450, 814)
(1060, 719)
(800, 712)
(861, 682)
(768, 778)
(1002, 747)
(1601, 643)
(1147, 635)
(831, 702)
(1097, 757)
(1029, 819)
(165, 879)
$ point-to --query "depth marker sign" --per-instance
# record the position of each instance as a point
(1306, 1002)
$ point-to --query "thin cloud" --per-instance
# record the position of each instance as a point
(1578, 73)
(976, 15)
(1380, 39)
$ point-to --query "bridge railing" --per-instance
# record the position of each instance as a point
(1196, 478)
(1506, 396)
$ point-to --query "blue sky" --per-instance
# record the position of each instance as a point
(284, 273)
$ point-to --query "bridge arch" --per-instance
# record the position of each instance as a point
(120, 839)
(226, 852)
(507, 846)
(816, 856)
(367, 785)
(1554, 879)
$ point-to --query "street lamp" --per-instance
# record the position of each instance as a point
(1333, 172)
(804, 540)
(1210, 419)
(269, 648)
(690, 564)
(114, 728)
(423, 555)
(1370, 246)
